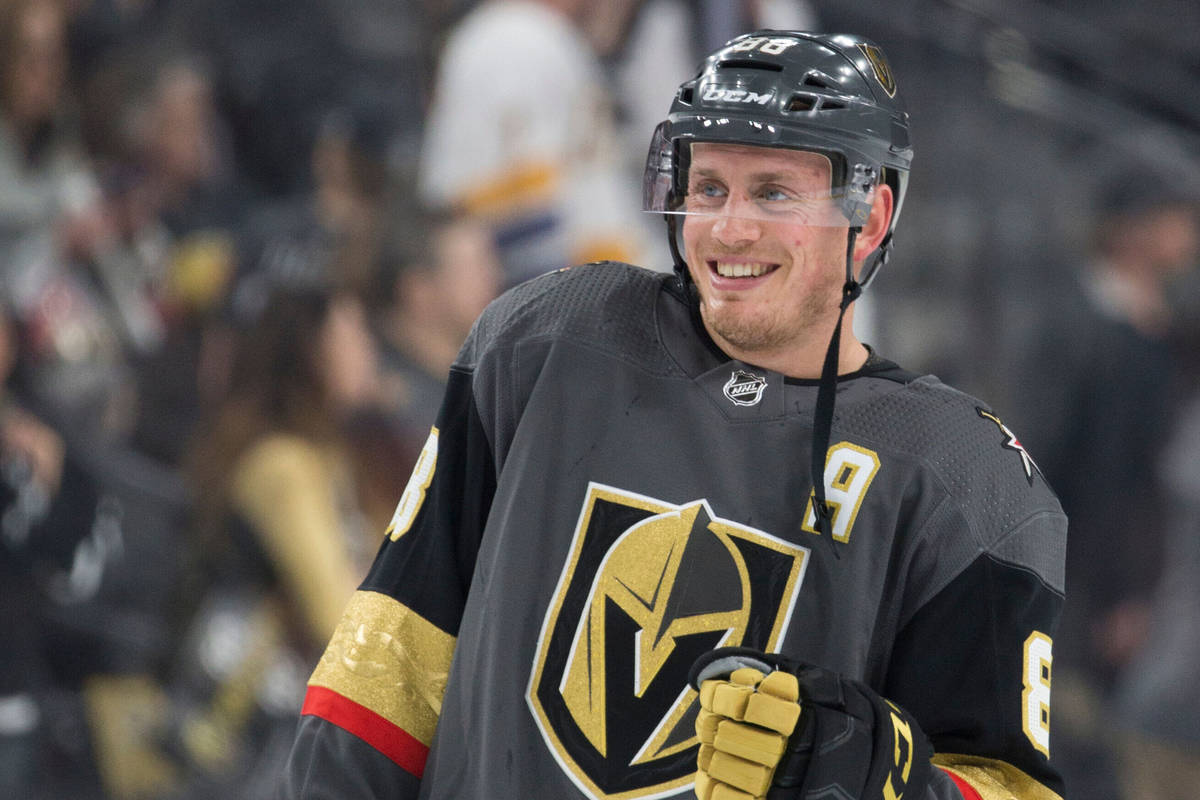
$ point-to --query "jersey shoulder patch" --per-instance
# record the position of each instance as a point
(949, 428)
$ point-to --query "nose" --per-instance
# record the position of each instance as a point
(736, 223)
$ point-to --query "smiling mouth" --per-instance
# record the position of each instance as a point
(741, 269)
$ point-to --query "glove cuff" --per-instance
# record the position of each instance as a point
(722, 662)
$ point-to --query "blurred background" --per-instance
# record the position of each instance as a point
(242, 240)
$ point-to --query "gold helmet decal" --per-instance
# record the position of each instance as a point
(881, 68)
(649, 586)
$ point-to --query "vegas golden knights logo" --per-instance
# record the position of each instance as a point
(648, 587)
(881, 68)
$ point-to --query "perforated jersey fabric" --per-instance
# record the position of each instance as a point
(609, 306)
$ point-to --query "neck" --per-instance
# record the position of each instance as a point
(852, 354)
(803, 359)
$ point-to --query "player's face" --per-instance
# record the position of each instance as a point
(769, 282)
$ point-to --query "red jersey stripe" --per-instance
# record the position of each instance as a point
(967, 790)
(392, 741)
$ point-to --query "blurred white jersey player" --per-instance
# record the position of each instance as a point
(521, 133)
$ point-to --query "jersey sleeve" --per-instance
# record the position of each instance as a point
(374, 699)
(973, 664)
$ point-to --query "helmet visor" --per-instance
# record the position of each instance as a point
(682, 178)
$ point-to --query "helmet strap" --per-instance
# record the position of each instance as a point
(826, 400)
(681, 268)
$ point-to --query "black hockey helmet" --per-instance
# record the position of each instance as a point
(832, 94)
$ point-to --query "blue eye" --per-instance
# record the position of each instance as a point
(775, 195)
(706, 194)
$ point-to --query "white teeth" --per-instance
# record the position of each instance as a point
(728, 269)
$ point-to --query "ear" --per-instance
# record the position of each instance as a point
(876, 228)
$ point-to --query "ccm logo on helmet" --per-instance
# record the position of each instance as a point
(719, 94)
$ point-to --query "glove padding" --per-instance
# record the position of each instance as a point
(744, 724)
(780, 729)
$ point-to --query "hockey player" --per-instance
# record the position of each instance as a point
(621, 482)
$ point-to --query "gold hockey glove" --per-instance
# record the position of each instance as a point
(778, 729)
(744, 724)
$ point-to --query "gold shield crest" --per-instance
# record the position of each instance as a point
(881, 68)
(647, 588)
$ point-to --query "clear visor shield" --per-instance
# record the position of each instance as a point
(781, 186)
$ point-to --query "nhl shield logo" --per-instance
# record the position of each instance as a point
(648, 587)
(745, 388)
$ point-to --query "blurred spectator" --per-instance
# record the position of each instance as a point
(1159, 697)
(334, 228)
(521, 132)
(391, 47)
(330, 235)
(438, 274)
(174, 202)
(72, 367)
(54, 528)
(44, 175)
(180, 148)
(46, 186)
(85, 300)
(279, 66)
(1097, 422)
(272, 455)
(111, 320)
(279, 541)
(350, 172)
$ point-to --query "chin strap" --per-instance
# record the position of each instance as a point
(826, 400)
(677, 262)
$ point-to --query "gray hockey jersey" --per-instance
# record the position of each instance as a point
(606, 495)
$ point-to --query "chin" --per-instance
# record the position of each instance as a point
(746, 332)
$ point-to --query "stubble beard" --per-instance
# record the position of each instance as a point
(777, 329)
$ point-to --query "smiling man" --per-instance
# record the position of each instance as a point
(766, 244)
(683, 534)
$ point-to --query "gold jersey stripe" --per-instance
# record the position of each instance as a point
(390, 659)
(993, 779)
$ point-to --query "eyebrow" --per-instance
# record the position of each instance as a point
(764, 177)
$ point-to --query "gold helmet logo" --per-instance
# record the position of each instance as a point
(881, 68)
(648, 588)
